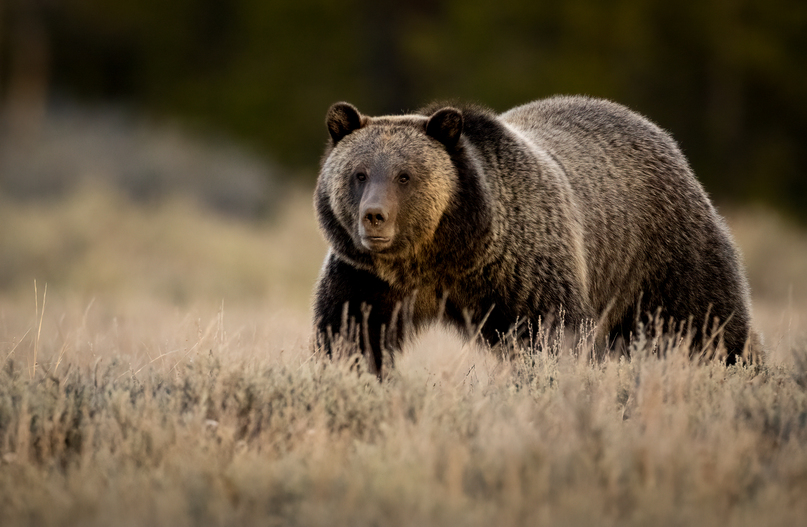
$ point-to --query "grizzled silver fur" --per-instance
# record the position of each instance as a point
(569, 202)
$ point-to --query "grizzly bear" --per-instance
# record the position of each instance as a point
(568, 208)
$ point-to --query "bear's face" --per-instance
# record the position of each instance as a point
(386, 181)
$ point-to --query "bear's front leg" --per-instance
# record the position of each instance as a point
(355, 307)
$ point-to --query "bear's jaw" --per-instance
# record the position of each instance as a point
(376, 236)
(376, 243)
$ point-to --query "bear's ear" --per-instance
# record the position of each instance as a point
(342, 119)
(445, 125)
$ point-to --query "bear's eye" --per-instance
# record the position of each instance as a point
(403, 179)
(361, 176)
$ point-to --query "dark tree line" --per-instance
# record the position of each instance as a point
(727, 77)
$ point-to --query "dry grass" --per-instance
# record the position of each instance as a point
(155, 403)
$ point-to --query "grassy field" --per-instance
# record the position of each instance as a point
(155, 369)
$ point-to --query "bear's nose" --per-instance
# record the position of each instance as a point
(375, 216)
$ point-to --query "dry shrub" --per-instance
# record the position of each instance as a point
(233, 430)
(144, 409)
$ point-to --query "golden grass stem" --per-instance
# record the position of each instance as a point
(41, 316)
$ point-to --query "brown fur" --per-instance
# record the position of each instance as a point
(566, 203)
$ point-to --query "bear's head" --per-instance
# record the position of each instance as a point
(386, 182)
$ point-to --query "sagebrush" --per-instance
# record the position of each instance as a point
(123, 403)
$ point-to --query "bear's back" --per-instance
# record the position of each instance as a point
(649, 226)
(608, 152)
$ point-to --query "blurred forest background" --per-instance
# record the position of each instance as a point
(124, 123)
(727, 77)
